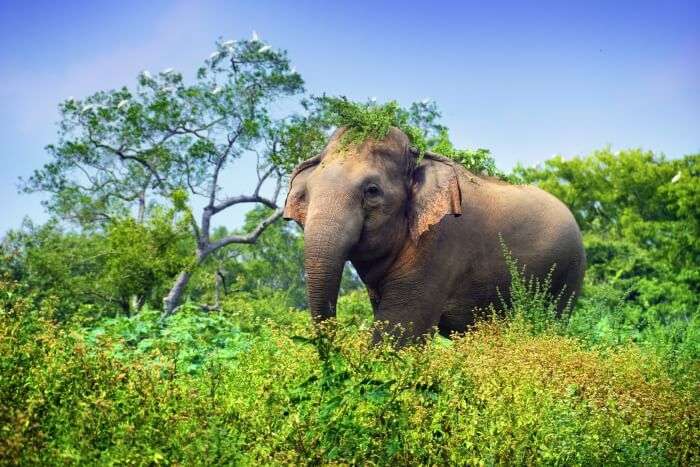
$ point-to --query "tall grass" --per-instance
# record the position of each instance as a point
(219, 389)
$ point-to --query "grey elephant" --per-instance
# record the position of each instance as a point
(424, 236)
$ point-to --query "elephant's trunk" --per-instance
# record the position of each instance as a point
(327, 243)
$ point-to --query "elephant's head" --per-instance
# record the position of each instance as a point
(364, 202)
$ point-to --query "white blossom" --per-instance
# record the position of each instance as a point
(676, 177)
(264, 49)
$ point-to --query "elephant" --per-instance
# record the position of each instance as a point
(424, 234)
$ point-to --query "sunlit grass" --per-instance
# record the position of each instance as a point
(203, 392)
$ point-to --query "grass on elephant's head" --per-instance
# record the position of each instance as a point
(370, 121)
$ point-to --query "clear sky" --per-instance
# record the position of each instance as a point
(524, 79)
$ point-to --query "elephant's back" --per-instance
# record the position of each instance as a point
(536, 227)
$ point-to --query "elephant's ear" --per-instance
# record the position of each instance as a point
(435, 194)
(296, 202)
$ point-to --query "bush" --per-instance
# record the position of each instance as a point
(283, 394)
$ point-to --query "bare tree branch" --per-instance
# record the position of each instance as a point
(230, 201)
(249, 238)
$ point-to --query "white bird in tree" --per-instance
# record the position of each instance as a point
(264, 49)
(228, 44)
(373, 99)
(167, 71)
(254, 37)
(293, 70)
(146, 74)
(216, 90)
(88, 108)
(425, 101)
(676, 177)
(122, 103)
(214, 55)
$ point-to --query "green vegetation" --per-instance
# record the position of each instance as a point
(372, 121)
(252, 384)
(640, 218)
(93, 372)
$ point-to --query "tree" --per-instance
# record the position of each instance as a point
(639, 215)
(115, 270)
(122, 151)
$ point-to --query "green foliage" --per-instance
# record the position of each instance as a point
(171, 142)
(420, 123)
(530, 302)
(641, 228)
(165, 137)
(299, 137)
(116, 270)
(370, 121)
(199, 388)
(479, 161)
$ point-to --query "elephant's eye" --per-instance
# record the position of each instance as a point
(372, 190)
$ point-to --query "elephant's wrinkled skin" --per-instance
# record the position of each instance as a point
(424, 237)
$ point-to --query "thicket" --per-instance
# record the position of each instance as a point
(257, 383)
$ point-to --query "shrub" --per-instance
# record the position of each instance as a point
(285, 394)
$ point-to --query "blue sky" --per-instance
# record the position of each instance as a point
(524, 79)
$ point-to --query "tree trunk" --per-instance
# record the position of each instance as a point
(142, 207)
(172, 300)
(204, 249)
(219, 286)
